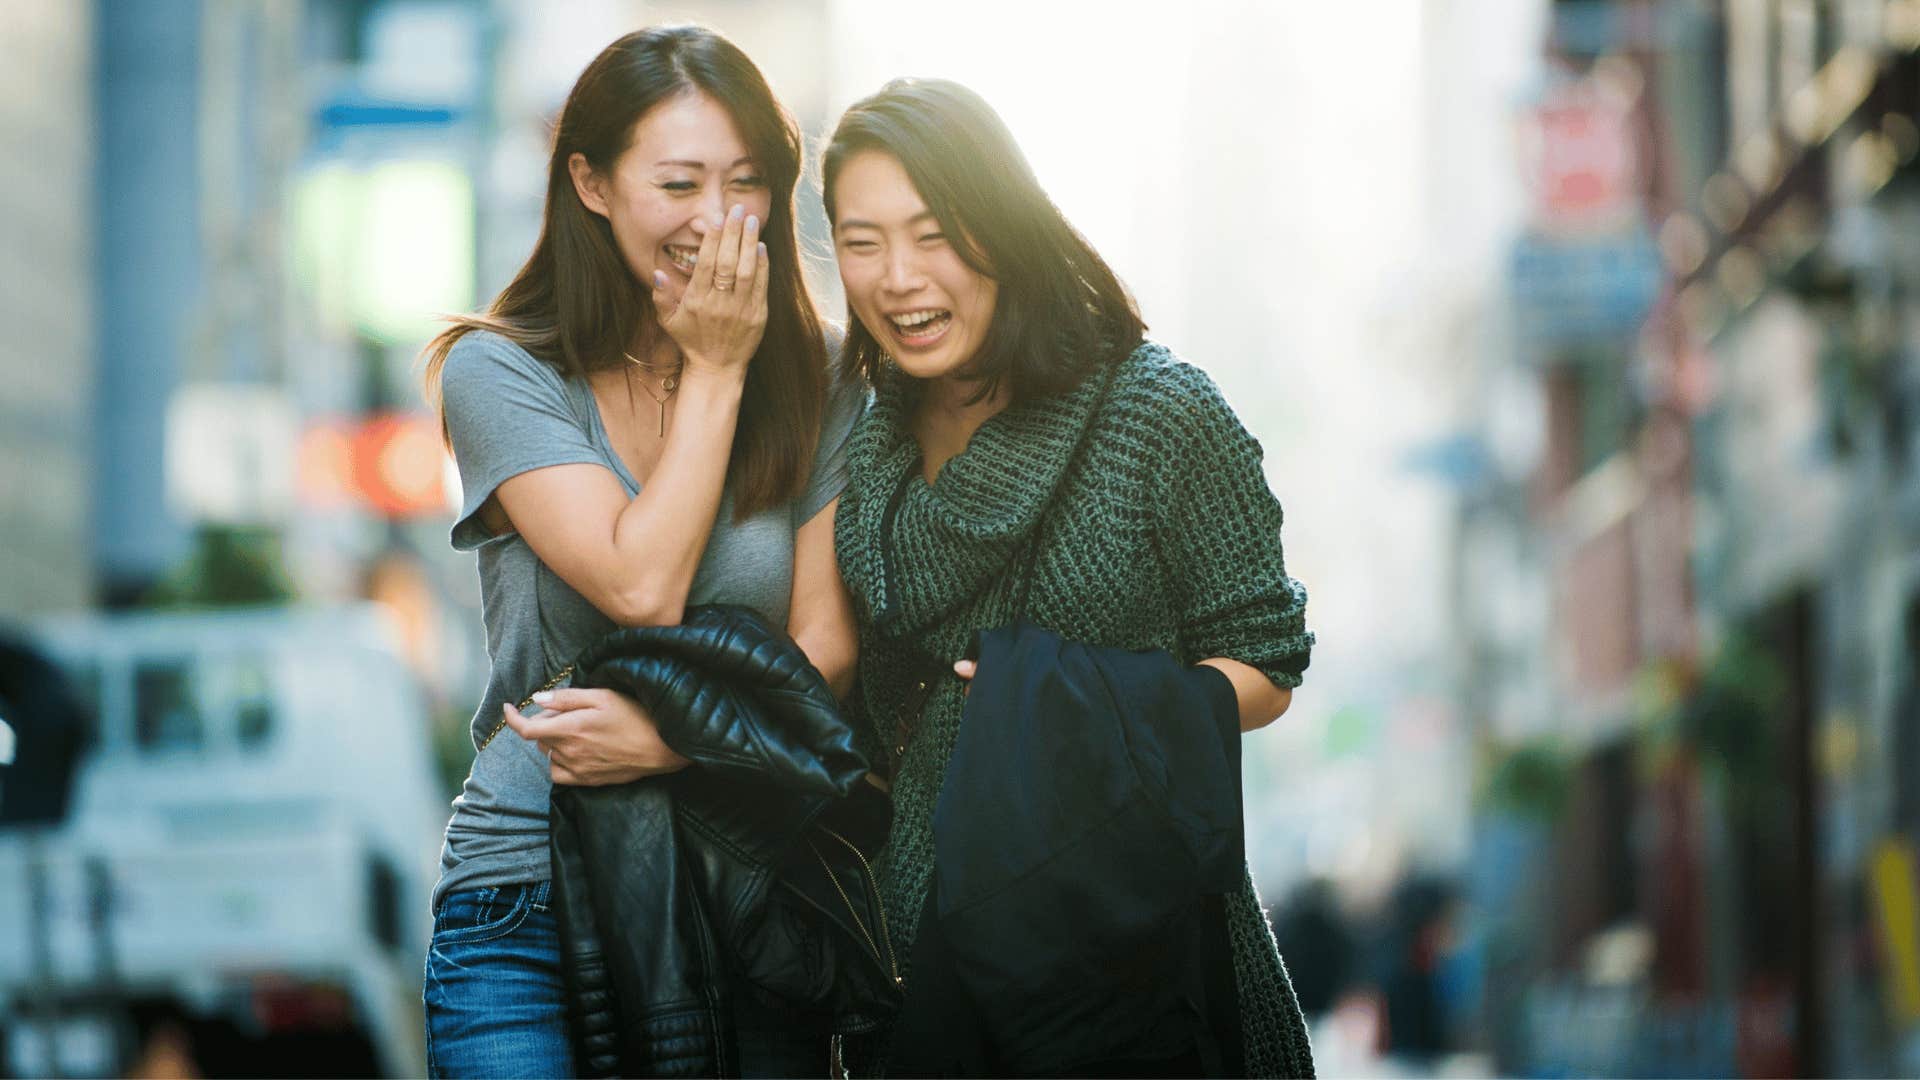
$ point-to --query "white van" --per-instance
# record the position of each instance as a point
(249, 848)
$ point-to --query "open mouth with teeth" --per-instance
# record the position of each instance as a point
(921, 327)
(682, 257)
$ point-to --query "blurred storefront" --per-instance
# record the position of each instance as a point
(1703, 766)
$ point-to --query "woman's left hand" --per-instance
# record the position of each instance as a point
(722, 315)
(595, 737)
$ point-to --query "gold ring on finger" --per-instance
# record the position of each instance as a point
(723, 284)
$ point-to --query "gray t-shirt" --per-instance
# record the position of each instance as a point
(508, 413)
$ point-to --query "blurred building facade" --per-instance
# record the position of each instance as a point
(1704, 767)
(47, 155)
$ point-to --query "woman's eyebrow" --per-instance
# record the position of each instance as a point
(862, 223)
(686, 164)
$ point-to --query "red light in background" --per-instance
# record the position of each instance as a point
(398, 464)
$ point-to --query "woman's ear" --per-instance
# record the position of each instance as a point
(589, 185)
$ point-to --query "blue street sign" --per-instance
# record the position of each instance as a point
(1582, 291)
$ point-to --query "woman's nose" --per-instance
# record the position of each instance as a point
(713, 204)
(903, 272)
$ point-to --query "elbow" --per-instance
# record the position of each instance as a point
(646, 606)
(1273, 708)
(837, 669)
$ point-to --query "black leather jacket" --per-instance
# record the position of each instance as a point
(747, 869)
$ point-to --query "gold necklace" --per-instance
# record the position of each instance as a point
(669, 384)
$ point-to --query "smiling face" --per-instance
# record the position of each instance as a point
(904, 280)
(686, 161)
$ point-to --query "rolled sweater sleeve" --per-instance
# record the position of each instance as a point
(1219, 532)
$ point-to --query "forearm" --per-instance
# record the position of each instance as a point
(660, 536)
(820, 616)
(1260, 701)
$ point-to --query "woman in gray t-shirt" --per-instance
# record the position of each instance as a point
(642, 420)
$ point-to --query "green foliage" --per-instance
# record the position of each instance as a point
(1529, 780)
(1727, 716)
(230, 566)
(1731, 722)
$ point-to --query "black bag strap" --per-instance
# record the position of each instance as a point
(931, 668)
(1049, 515)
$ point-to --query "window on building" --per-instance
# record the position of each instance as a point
(166, 712)
(252, 701)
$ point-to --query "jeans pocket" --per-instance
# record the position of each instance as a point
(496, 922)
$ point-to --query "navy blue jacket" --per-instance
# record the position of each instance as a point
(1089, 821)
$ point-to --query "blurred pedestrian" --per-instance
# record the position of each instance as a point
(1418, 935)
(642, 420)
(1314, 936)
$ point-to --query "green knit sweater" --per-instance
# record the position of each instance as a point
(1164, 537)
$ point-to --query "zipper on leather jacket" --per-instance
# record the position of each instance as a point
(880, 906)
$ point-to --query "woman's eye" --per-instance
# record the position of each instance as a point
(859, 245)
(748, 181)
(680, 185)
(933, 238)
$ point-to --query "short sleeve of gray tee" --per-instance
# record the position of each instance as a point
(508, 413)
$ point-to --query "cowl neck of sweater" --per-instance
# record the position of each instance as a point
(929, 548)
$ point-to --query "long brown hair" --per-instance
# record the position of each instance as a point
(1061, 311)
(576, 305)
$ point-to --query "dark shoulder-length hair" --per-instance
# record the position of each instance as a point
(1061, 311)
(575, 303)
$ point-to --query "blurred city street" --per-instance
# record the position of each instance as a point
(1582, 338)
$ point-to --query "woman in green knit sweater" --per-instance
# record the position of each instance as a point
(1028, 451)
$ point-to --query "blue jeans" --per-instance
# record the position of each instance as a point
(496, 997)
